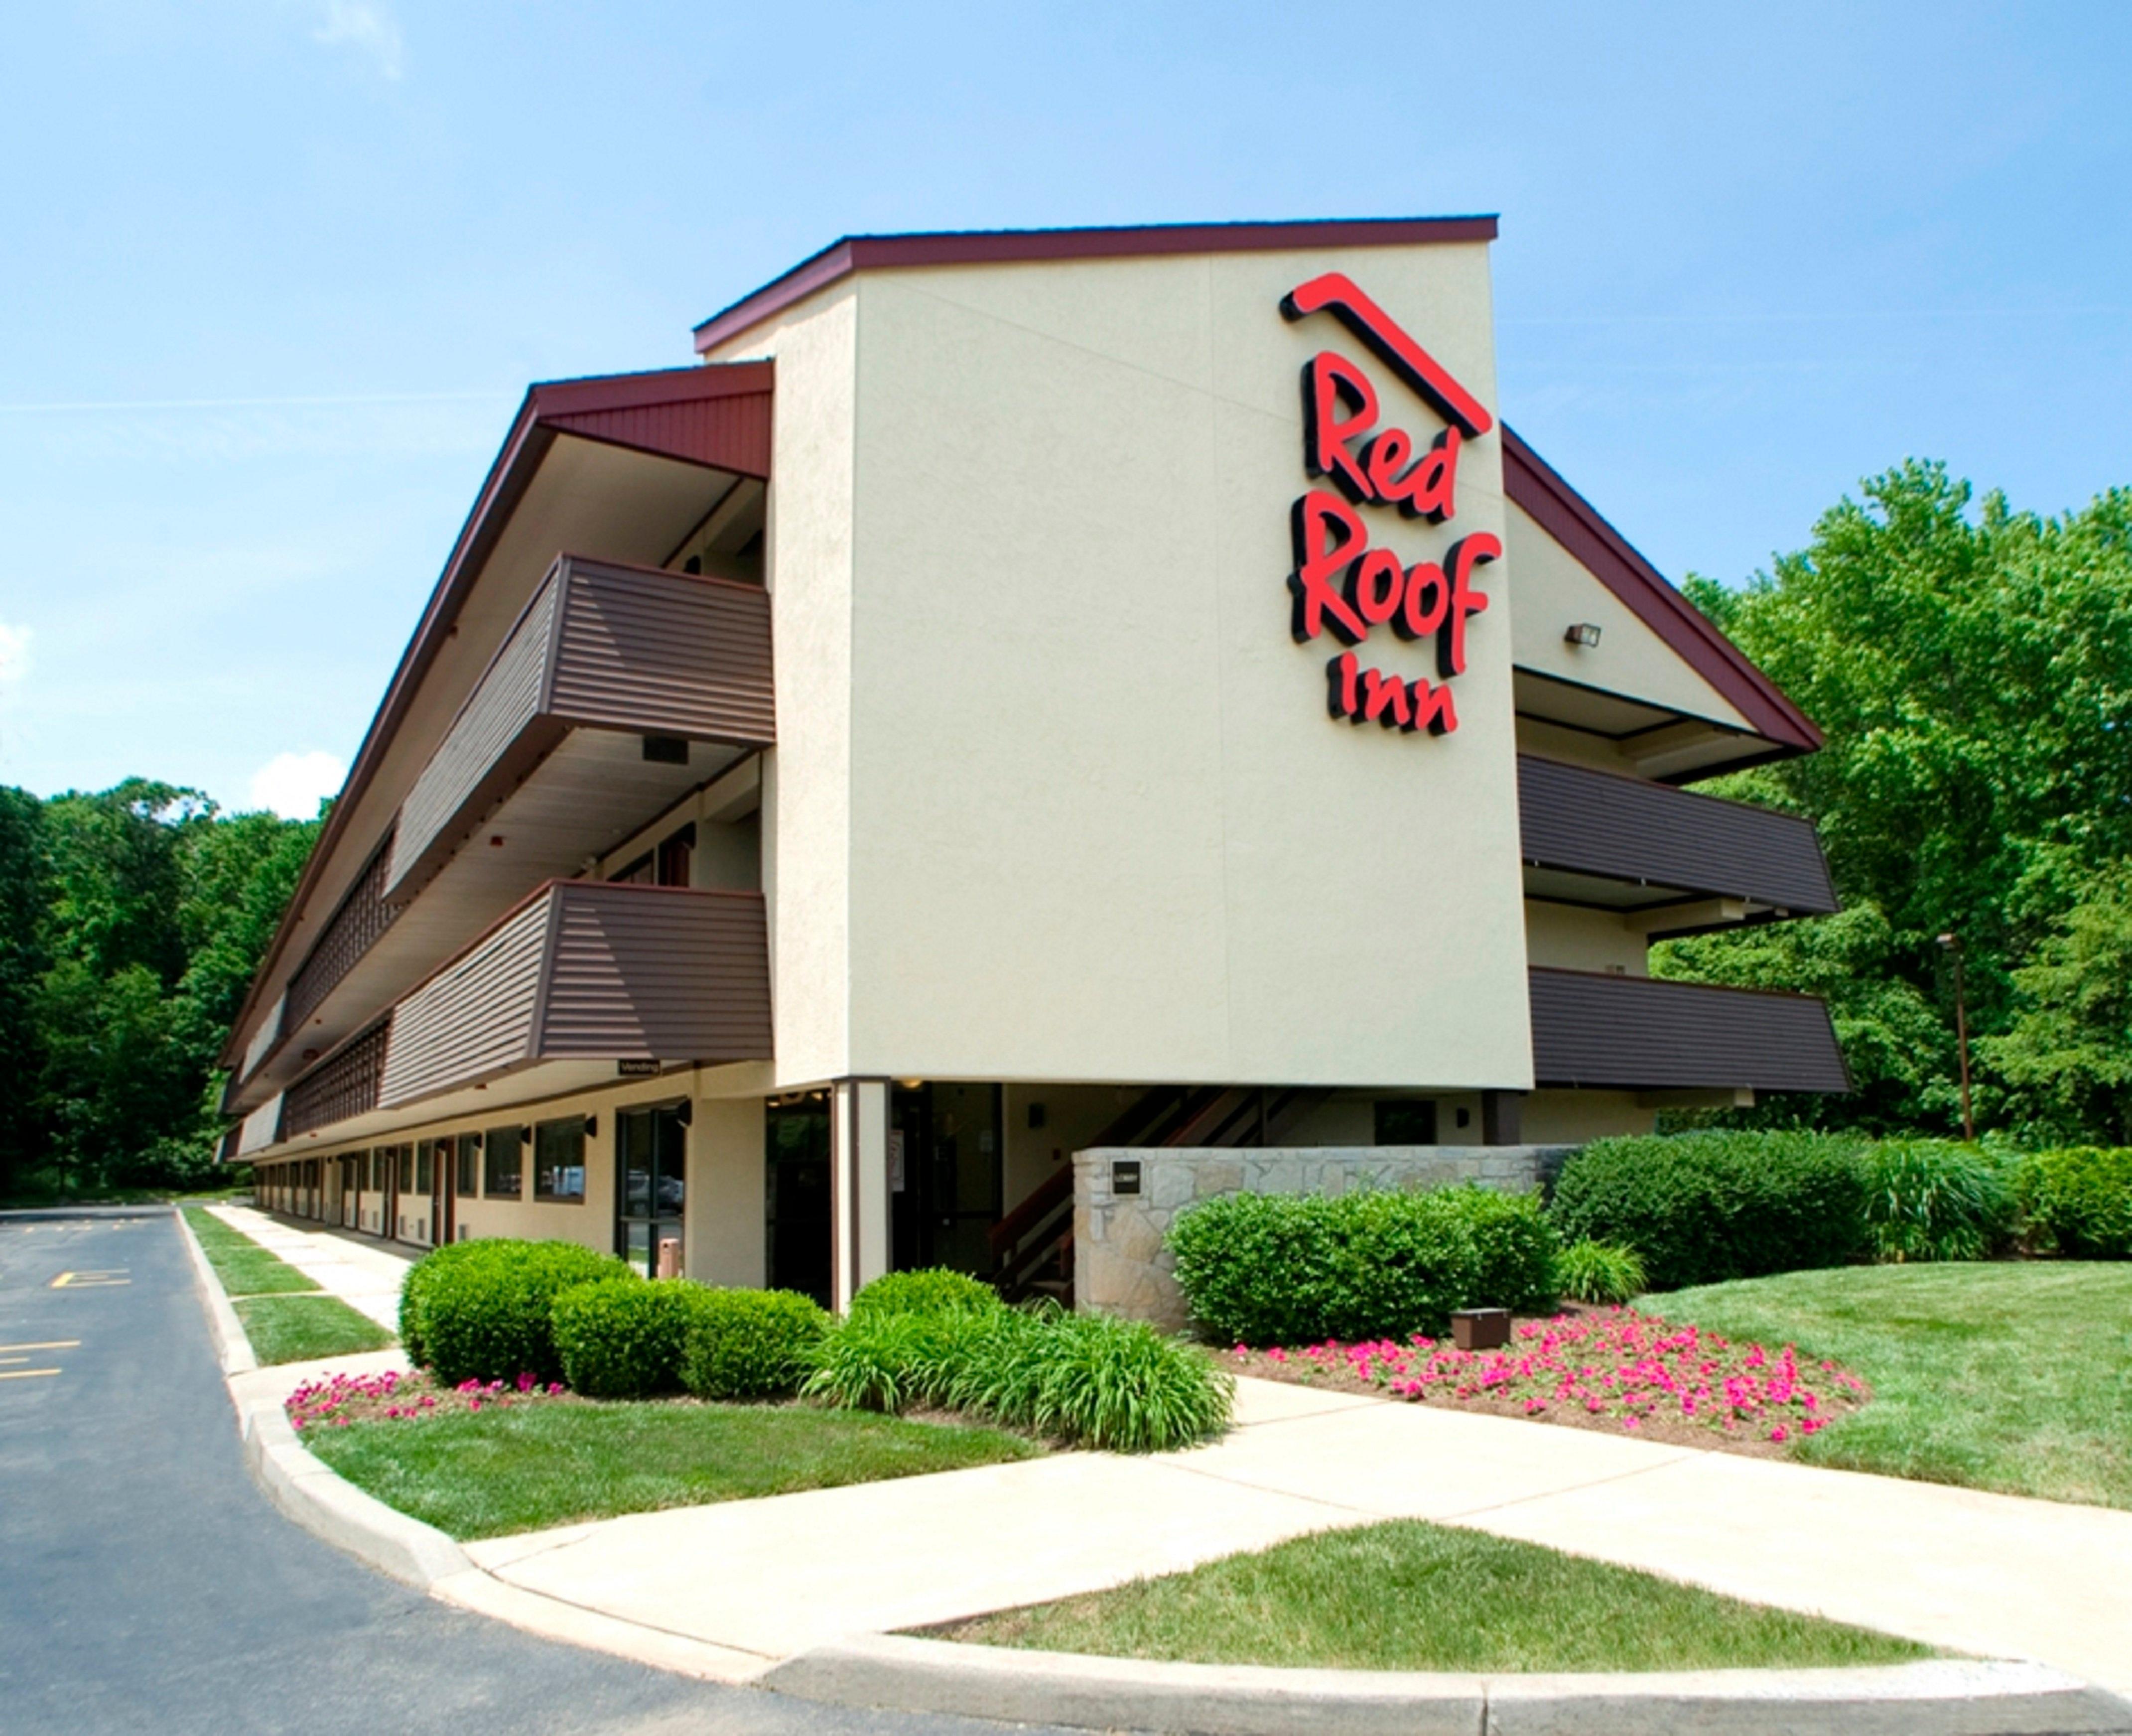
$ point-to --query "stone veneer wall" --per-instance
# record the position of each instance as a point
(1120, 1265)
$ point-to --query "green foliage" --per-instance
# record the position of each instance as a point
(1117, 1385)
(1932, 1200)
(487, 1309)
(622, 1337)
(1700, 1208)
(1972, 672)
(749, 1343)
(1262, 1268)
(421, 1280)
(130, 921)
(932, 1290)
(1603, 1273)
(2081, 1200)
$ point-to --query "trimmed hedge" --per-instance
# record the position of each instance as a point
(1703, 1208)
(622, 1337)
(2080, 1200)
(1262, 1268)
(484, 1310)
(931, 1290)
(749, 1343)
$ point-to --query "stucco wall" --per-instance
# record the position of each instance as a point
(1120, 1265)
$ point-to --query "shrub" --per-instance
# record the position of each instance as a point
(1297, 1269)
(749, 1343)
(415, 1288)
(1604, 1273)
(1701, 1208)
(486, 1313)
(1932, 1200)
(2080, 1199)
(932, 1290)
(1113, 1384)
(622, 1337)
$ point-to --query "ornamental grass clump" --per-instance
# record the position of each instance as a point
(1934, 1200)
(1294, 1269)
(1703, 1208)
(1605, 1273)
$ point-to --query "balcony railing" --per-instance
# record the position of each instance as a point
(1634, 1032)
(1599, 837)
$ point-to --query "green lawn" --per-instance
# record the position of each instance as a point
(2014, 1376)
(1410, 1596)
(542, 1463)
(284, 1313)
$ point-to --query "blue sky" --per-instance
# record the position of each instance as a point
(276, 270)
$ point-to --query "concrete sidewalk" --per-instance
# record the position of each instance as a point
(754, 1582)
(361, 1271)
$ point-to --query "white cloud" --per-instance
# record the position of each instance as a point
(14, 655)
(367, 28)
(294, 785)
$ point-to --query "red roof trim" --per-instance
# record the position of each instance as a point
(1572, 521)
(548, 408)
(995, 247)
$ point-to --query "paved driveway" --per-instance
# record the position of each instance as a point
(146, 1585)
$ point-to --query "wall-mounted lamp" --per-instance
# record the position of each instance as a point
(1585, 633)
(591, 1126)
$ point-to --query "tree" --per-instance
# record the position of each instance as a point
(1972, 672)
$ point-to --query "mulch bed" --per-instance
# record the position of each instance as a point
(1613, 1370)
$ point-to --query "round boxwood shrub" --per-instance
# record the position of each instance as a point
(1702, 1208)
(749, 1343)
(622, 1337)
(2080, 1199)
(930, 1290)
(1263, 1268)
(421, 1278)
(487, 1314)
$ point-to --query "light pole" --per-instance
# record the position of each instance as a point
(1953, 945)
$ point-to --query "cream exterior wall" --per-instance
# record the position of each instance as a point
(1569, 938)
(1571, 1117)
(1555, 590)
(1100, 826)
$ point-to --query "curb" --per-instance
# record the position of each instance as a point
(1937, 1698)
(233, 1349)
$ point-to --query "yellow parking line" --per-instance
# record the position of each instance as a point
(24, 1374)
(90, 1280)
(50, 1344)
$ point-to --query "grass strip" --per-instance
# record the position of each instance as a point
(525, 1468)
(1405, 1595)
(306, 1328)
(2014, 1376)
(244, 1267)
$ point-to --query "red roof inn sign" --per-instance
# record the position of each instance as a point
(1341, 584)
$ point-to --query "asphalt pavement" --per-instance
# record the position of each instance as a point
(146, 1585)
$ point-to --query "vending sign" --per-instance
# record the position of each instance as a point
(1343, 585)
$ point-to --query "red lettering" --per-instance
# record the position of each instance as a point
(1432, 709)
(1329, 381)
(1338, 296)
(1340, 698)
(1383, 459)
(1318, 603)
(1376, 586)
(1427, 601)
(1384, 701)
(1467, 554)
(1429, 489)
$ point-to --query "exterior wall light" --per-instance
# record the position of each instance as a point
(1585, 633)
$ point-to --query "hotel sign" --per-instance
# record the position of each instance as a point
(1343, 585)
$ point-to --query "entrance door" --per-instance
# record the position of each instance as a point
(797, 1194)
(651, 1159)
(951, 1139)
(351, 1190)
(440, 1193)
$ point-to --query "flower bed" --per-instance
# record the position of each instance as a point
(1601, 1368)
(351, 1398)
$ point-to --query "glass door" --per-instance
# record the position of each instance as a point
(797, 1194)
(945, 1192)
(651, 1159)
